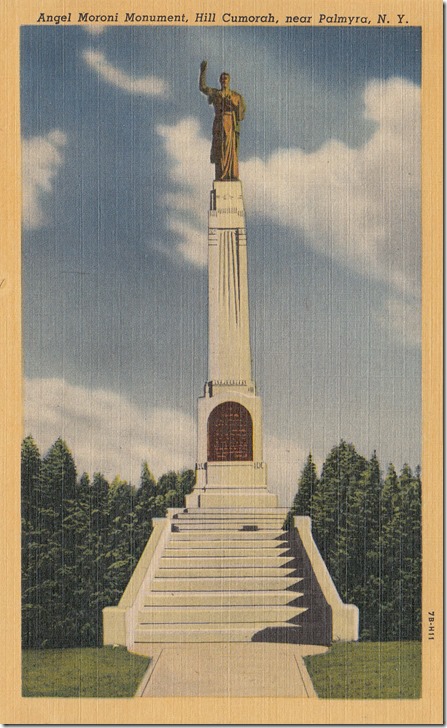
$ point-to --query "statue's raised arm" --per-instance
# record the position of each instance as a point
(229, 108)
(202, 78)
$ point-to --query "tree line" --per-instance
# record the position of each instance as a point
(368, 530)
(81, 540)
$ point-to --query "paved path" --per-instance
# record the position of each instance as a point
(235, 669)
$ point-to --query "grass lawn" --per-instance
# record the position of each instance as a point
(88, 672)
(367, 670)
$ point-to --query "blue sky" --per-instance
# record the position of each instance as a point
(116, 172)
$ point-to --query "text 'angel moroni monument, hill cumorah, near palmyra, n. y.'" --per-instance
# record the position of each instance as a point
(222, 569)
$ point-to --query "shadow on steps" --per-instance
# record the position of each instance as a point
(314, 626)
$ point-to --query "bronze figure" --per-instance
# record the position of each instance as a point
(229, 108)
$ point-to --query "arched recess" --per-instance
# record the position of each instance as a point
(230, 433)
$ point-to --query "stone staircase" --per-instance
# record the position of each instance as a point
(233, 575)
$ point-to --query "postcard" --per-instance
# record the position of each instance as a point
(221, 290)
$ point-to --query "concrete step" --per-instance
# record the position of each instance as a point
(187, 633)
(233, 535)
(224, 616)
(220, 561)
(223, 551)
(223, 548)
(228, 517)
(234, 518)
(232, 497)
(226, 599)
(241, 510)
(227, 525)
(235, 524)
(224, 526)
(223, 583)
(246, 572)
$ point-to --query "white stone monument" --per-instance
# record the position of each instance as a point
(223, 569)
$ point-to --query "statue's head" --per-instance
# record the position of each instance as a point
(224, 80)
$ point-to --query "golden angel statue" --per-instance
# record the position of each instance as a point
(229, 108)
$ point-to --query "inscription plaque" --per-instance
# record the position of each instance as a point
(230, 433)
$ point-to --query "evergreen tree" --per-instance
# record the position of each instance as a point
(100, 596)
(390, 547)
(307, 487)
(173, 499)
(31, 537)
(159, 507)
(147, 492)
(411, 574)
(99, 505)
(84, 553)
(167, 494)
(174, 487)
(144, 508)
(364, 562)
(185, 483)
(30, 475)
(401, 554)
(167, 482)
(332, 506)
(55, 573)
(121, 556)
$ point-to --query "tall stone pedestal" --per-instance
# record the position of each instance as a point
(231, 471)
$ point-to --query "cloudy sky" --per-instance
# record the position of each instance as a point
(116, 180)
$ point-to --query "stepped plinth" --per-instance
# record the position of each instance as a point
(229, 575)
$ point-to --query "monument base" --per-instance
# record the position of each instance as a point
(232, 485)
(232, 475)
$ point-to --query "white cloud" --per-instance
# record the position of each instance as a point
(107, 433)
(42, 158)
(359, 206)
(145, 85)
(186, 205)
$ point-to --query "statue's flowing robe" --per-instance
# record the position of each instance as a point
(229, 107)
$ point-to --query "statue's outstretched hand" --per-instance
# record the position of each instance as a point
(203, 65)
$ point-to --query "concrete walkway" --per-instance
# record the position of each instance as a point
(235, 669)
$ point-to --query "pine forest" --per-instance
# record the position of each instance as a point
(82, 537)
